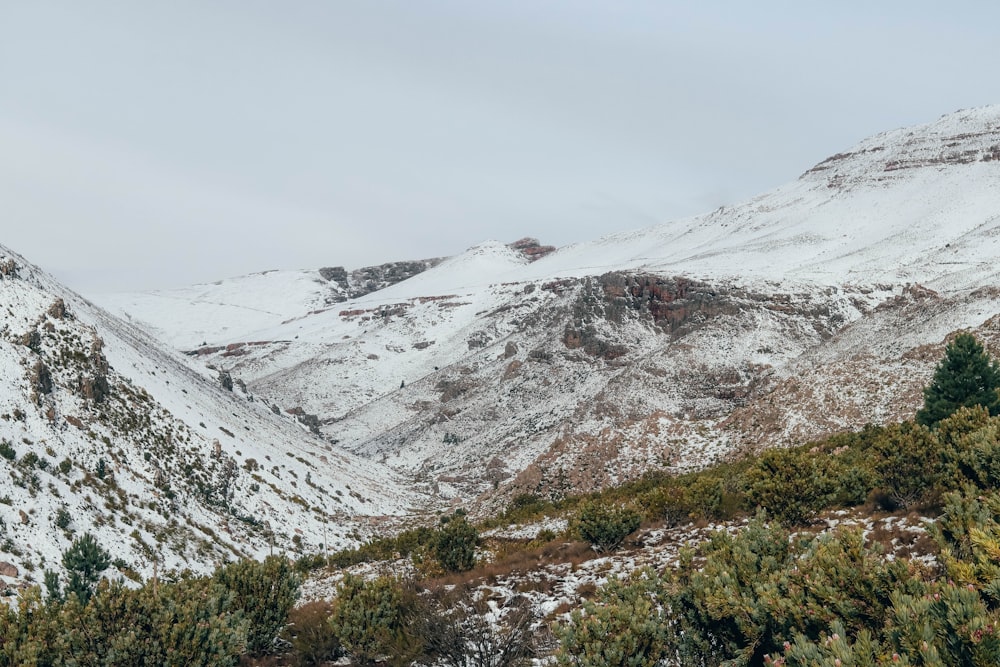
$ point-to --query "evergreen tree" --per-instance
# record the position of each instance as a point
(84, 561)
(964, 378)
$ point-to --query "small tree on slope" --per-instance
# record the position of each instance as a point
(85, 560)
(964, 378)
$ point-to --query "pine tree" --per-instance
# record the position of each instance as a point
(84, 561)
(964, 378)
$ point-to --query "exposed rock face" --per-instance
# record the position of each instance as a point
(8, 569)
(41, 378)
(357, 283)
(531, 248)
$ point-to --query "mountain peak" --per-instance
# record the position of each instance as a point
(965, 137)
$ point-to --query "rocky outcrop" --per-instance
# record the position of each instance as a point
(357, 283)
(531, 248)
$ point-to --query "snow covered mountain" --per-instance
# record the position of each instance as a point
(103, 430)
(810, 309)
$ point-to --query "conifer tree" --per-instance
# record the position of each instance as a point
(84, 561)
(964, 378)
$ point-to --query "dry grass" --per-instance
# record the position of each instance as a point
(519, 561)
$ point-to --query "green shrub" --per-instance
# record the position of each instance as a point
(7, 451)
(623, 626)
(454, 546)
(264, 592)
(85, 560)
(792, 484)
(63, 518)
(604, 526)
(374, 621)
(910, 463)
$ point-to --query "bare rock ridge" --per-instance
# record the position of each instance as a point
(816, 307)
(370, 279)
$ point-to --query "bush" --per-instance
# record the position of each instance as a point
(606, 527)
(311, 634)
(624, 626)
(467, 633)
(454, 546)
(85, 560)
(63, 518)
(791, 484)
(7, 451)
(910, 464)
(264, 592)
(187, 623)
(374, 621)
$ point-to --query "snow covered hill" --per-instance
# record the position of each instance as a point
(815, 307)
(105, 431)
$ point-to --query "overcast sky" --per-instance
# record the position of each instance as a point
(155, 144)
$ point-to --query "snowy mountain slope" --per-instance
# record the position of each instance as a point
(227, 310)
(106, 432)
(668, 346)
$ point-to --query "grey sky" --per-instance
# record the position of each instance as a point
(158, 144)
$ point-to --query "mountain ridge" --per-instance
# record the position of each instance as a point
(657, 348)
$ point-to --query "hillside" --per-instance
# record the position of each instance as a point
(105, 431)
(811, 309)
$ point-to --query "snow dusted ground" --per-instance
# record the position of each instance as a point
(195, 474)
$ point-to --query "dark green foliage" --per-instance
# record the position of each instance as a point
(454, 545)
(102, 468)
(909, 464)
(738, 599)
(407, 543)
(625, 626)
(971, 444)
(375, 621)
(964, 378)
(63, 518)
(792, 484)
(7, 451)
(605, 526)
(52, 586)
(186, 624)
(65, 466)
(84, 561)
(263, 593)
